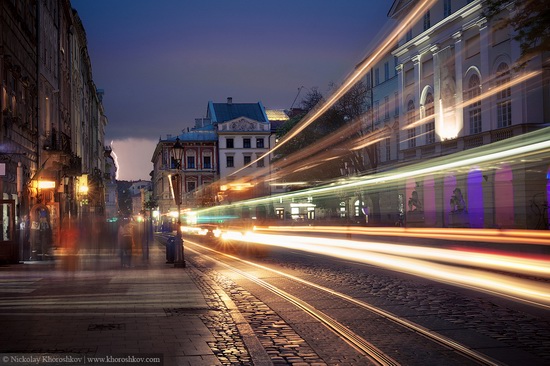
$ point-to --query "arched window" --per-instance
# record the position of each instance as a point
(474, 109)
(430, 124)
(411, 132)
(504, 97)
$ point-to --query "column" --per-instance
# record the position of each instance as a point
(458, 76)
(484, 68)
(401, 90)
(417, 85)
(518, 90)
(437, 89)
(417, 79)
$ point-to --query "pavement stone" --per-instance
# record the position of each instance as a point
(94, 307)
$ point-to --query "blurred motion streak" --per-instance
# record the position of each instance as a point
(415, 14)
(486, 235)
(416, 260)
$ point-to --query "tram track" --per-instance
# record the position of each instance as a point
(343, 331)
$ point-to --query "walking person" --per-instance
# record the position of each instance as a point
(125, 242)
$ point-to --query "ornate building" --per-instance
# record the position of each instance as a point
(198, 169)
(52, 126)
(223, 158)
(450, 84)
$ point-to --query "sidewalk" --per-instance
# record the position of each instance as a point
(101, 309)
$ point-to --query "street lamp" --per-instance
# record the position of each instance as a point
(177, 154)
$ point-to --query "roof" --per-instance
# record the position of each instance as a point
(276, 115)
(199, 136)
(223, 112)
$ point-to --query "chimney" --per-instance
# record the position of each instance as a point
(229, 100)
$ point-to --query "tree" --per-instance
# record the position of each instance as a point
(320, 151)
(529, 19)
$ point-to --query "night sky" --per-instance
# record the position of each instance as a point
(160, 62)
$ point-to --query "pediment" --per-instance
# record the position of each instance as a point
(241, 124)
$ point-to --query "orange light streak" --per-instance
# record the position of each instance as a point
(486, 235)
(391, 257)
(413, 16)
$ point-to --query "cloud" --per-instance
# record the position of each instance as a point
(133, 156)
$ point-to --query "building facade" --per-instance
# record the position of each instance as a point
(224, 159)
(244, 138)
(450, 84)
(198, 169)
(52, 126)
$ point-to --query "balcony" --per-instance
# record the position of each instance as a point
(59, 157)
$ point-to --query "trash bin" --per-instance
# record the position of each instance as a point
(170, 249)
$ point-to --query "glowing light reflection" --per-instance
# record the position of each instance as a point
(416, 260)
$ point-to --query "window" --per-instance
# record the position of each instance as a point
(386, 108)
(409, 35)
(411, 132)
(246, 143)
(396, 101)
(474, 109)
(230, 161)
(430, 125)
(247, 159)
(427, 20)
(447, 8)
(386, 71)
(376, 111)
(472, 46)
(259, 143)
(260, 163)
(174, 163)
(388, 149)
(229, 143)
(191, 186)
(190, 162)
(207, 162)
(376, 76)
(504, 101)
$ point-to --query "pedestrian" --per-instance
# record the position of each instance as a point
(125, 242)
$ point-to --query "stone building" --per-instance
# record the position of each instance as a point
(51, 127)
(449, 84)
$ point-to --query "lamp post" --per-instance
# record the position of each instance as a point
(177, 154)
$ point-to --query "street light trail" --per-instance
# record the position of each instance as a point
(417, 261)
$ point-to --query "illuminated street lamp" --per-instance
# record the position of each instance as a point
(176, 179)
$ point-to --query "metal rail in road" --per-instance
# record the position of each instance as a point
(357, 341)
